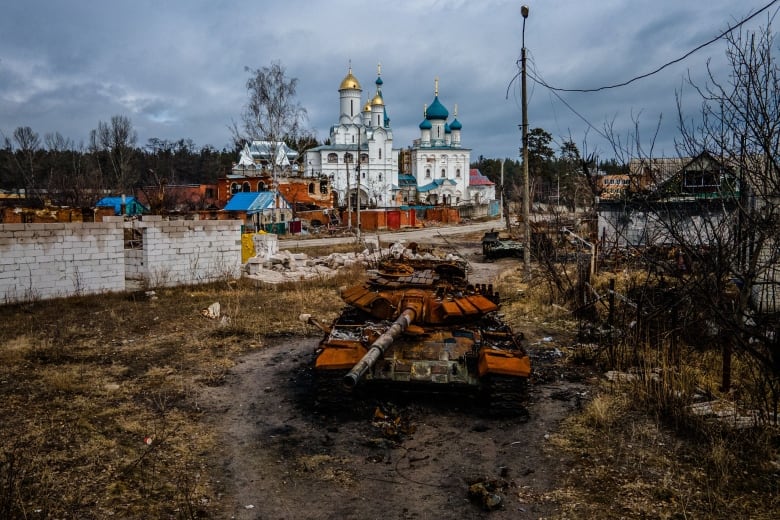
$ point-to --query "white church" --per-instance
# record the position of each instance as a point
(360, 158)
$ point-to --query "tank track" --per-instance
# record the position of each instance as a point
(505, 395)
(331, 392)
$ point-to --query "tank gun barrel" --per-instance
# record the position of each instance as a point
(379, 347)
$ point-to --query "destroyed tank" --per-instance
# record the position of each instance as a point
(417, 324)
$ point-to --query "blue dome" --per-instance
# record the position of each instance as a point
(379, 80)
(436, 110)
(425, 125)
(456, 125)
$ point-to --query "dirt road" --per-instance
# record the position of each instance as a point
(439, 233)
(284, 456)
(284, 459)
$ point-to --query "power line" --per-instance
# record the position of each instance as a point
(665, 65)
(537, 80)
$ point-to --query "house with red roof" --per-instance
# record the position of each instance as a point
(481, 189)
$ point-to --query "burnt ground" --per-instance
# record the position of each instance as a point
(284, 455)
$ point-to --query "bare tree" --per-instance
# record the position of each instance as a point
(271, 113)
(717, 217)
(69, 179)
(740, 124)
(25, 145)
(114, 144)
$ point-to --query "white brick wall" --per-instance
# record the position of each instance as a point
(49, 260)
(180, 252)
(39, 261)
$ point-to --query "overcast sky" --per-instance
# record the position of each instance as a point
(177, 68)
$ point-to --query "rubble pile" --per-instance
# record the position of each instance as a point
(272, 265)
(285, 266)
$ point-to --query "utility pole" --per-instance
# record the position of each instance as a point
(526, 203)
(357, 169)
(503, 206)
(349, 194)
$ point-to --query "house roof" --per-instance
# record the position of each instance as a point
(435, 184)
(132, 206)
(262, 150)
(254, 202)
(404, 179)
(477, 179)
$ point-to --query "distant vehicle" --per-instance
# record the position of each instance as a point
(495, 246)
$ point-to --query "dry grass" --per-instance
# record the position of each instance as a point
(97, 394)
(100, 416)
(627, 464)
(636, 450)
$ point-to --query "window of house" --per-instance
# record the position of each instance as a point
(311, 187)
(246, 188)
(324, 188)
(234, 188)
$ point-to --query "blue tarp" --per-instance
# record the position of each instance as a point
(132, 206)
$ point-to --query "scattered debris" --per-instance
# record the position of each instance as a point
(486, 493)
(728, 413)
(616, 376)
(212, 311)
(393, 427)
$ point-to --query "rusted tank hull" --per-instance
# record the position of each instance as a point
(423, 326)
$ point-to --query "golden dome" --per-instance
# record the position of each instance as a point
(350, 82)
(377, 100)
(367, 107)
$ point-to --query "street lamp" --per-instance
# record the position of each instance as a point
(526, 205)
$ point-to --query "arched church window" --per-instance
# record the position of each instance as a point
(443, 173)
(457, 173)
(333, 158)
(234, 188)
(311, 187)
(380, 153)
(348, 158)
(427, 173)
(363, 158)
(246, 188)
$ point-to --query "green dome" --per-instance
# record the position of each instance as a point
(437, 110)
